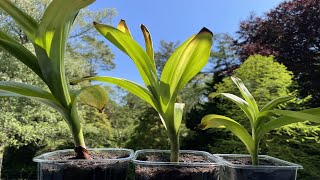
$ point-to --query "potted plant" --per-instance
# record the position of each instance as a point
(253, 166)
(49, 38)
(161, 93)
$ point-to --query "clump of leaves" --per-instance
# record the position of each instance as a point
(161, 93)
(262, 121)
(49, 38)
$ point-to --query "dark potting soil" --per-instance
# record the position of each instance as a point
(248, 161)
(178, 172)
(94, 169)
(234, 173)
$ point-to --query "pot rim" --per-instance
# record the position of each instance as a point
(155, 163)
(43, 157)
(284, 164)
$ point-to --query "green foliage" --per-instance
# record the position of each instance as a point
(49, 40)
(161, 93)
(260, 121)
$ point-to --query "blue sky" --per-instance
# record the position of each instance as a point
(176, 20)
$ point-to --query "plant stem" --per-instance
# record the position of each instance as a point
(255, 153)
(76, 130)
(175, 147)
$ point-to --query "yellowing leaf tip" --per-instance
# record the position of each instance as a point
(205, 30)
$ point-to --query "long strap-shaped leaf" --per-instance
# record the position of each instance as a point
(132, 87)
(213, 121)
(246, 94)
(51, 39)
(184, 64)
(289, 117)
(245, 107)
(26, 22)
(125, 43)
(15, 89)
(21, 53)
(271, 105)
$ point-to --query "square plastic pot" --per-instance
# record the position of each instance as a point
(98, 169)
(191, 168)
(279, 169)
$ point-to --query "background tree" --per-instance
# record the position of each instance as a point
(290, 32)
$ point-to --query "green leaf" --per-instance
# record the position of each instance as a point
(132, 87)
(26, 22)
(177, 117)
(213, 121)
(94, 96)
(21, 53)
(246, 94)
(271, 105)
(245, 107)
(50, 44)
(130, 47)
(15, 89)
(274, 103)
(184, 64)
(148, 42)
(289, 117)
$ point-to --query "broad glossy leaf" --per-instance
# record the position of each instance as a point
(214, 121)
(148, 42)
(289, 117)
(130, 47)
(21, 53)
(239, 102)
(246, 94)
(26, 22)
(184, 64)
(132, 87)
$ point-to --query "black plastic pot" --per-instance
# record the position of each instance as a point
(97, 169)
(277, 170)
(190, 169)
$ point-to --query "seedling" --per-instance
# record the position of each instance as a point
(161, 93)
(262, 121)
(49, 38)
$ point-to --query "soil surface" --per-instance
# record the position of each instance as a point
(247, 161)
(94, 169)
(178, 172)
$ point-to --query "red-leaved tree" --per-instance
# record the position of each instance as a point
(290, 32)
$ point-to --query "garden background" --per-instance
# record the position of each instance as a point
(275, 53)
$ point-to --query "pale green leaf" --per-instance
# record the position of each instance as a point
(274, 103)
(239, 102)
(130, 47)
(184, 64)
(177, 117)
(21, 53)
(132, 87)
(246, 94)
(214, 121)
(289, 117)
(15, 89)
(50, 44)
